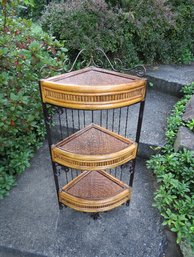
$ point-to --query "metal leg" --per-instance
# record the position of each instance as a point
(67, 124)
(60, 112)
(95, 215)
(119, 127)
(140, 119)
(132, 170)
(47, 119)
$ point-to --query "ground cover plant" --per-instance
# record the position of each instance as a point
(24, 52)
(175, 174)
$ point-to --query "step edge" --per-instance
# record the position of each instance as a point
(13, 250)
(165, 86)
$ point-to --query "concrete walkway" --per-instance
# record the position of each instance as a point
(30, 221)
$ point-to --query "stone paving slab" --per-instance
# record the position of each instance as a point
(170, 78)
(31, 224)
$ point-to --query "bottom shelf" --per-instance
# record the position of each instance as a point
(94, 191)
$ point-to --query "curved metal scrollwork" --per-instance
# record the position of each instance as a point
(138, 70)
(59, 110)
(64, 168)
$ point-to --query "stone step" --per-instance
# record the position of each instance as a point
(170, 78)
(157, 107)
(31, 224)
(11, 252)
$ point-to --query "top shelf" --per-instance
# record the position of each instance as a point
(93, 89)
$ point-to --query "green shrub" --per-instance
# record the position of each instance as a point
(181, 38)
(175, 175)
(90, 24)
(163, 31)
(147, 31)
(34, 11)
(23, 53)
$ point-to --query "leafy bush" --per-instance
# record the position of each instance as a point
(175, 175)
(89, 24)
(150, 29)
(164, 33)
(33, 11)
(182, 36)
(23, 53)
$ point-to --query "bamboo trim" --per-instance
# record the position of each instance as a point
(93, 162)
(95, 205)
(93, 101)
(93, 97)
(84, 208)
(73, 88)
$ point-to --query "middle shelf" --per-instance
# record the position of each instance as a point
(93, 148)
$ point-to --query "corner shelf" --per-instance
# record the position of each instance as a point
(93, 88)
(93, 148)
(94, 191)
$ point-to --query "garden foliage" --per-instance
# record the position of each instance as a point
(32, 11)
(89, 24)
(135, 31)
(23, 53)
(175, 174)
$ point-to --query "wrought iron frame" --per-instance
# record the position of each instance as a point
(139, 70)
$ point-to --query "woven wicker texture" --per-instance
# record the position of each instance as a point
(93, 89)
(93, 141)
(95, 185)
(93, 76)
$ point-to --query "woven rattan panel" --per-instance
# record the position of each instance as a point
(94, 141)
(95, 185)
(94, 191)
(94, 147)
(94, 77)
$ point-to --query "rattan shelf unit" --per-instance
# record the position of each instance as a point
(93, 148)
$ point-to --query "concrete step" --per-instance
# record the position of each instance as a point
(31, 224)
(157, 107)
(170, 78)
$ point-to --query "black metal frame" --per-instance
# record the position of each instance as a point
(66, 114)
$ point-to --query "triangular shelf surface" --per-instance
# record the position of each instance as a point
(94, 147)
(94, 191)
(93, 76)
(93, 88)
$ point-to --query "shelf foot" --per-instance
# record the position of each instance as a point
(61, 206)
(128, 203)
(95, 215)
